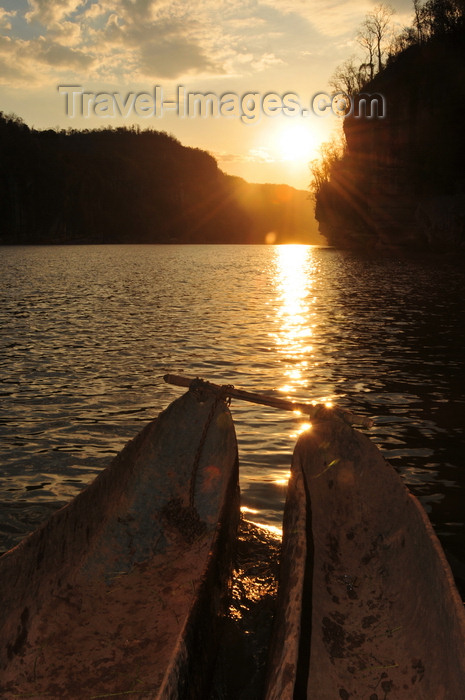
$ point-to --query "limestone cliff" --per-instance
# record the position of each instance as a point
(401, 182)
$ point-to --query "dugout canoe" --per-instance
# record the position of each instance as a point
(367, 605)
(118, 593)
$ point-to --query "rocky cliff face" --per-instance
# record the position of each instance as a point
(401, 183)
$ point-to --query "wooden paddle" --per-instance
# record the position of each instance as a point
(311, 410)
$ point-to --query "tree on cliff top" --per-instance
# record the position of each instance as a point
(374, 33)
(349, 77)
(374, 37)
(437, 18)
(381, 43)
(401, 181)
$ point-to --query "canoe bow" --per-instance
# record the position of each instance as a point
(118, 592)
(368, 607)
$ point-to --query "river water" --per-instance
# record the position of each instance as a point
(89, 331)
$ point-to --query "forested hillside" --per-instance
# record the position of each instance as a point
(399, 181)
(129, 186)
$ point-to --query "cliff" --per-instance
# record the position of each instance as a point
(130, 186)
(401, 182)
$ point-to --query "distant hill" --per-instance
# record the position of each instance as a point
(277, 213)
(401, 182)
(131, 186)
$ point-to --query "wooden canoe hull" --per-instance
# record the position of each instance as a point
(368, 607)
(118, 592)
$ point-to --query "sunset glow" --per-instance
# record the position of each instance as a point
(248, 60)
(297, 143)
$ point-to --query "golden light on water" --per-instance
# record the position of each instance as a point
(282, 479)
(249, 511)
(302, 428)
(273, 530)
(294, 267)
(295, 270)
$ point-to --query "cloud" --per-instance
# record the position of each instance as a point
(140, 40)
(173, 57)
(143, 39)
(330, 18)
(5, 18)
(14, 68)
(260, 154)
(266, 61)
(59, 56)
(66, 33)
(51, 13)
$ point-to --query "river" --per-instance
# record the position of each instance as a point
(89, 331)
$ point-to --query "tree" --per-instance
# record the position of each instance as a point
(366, 39)
(444, 16)
(375, 38)
(437, 17)
(375, 31)
(408, 36)
(419, 20)
(348, 77)
(331, 152)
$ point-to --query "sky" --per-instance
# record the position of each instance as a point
(82, 64)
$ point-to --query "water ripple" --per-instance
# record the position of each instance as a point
(88, 332)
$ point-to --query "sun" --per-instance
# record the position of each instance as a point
(296, 142)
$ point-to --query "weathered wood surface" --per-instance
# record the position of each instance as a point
(368, 607)
(114, 593)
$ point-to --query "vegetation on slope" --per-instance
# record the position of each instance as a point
(125, 185)
(399, 182)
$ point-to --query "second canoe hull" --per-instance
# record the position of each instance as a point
(368, 606)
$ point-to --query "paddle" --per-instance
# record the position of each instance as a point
(311, 410)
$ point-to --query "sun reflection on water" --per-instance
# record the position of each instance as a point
(302, 428)
(250, 513)
(295, 269)
(295, 325)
